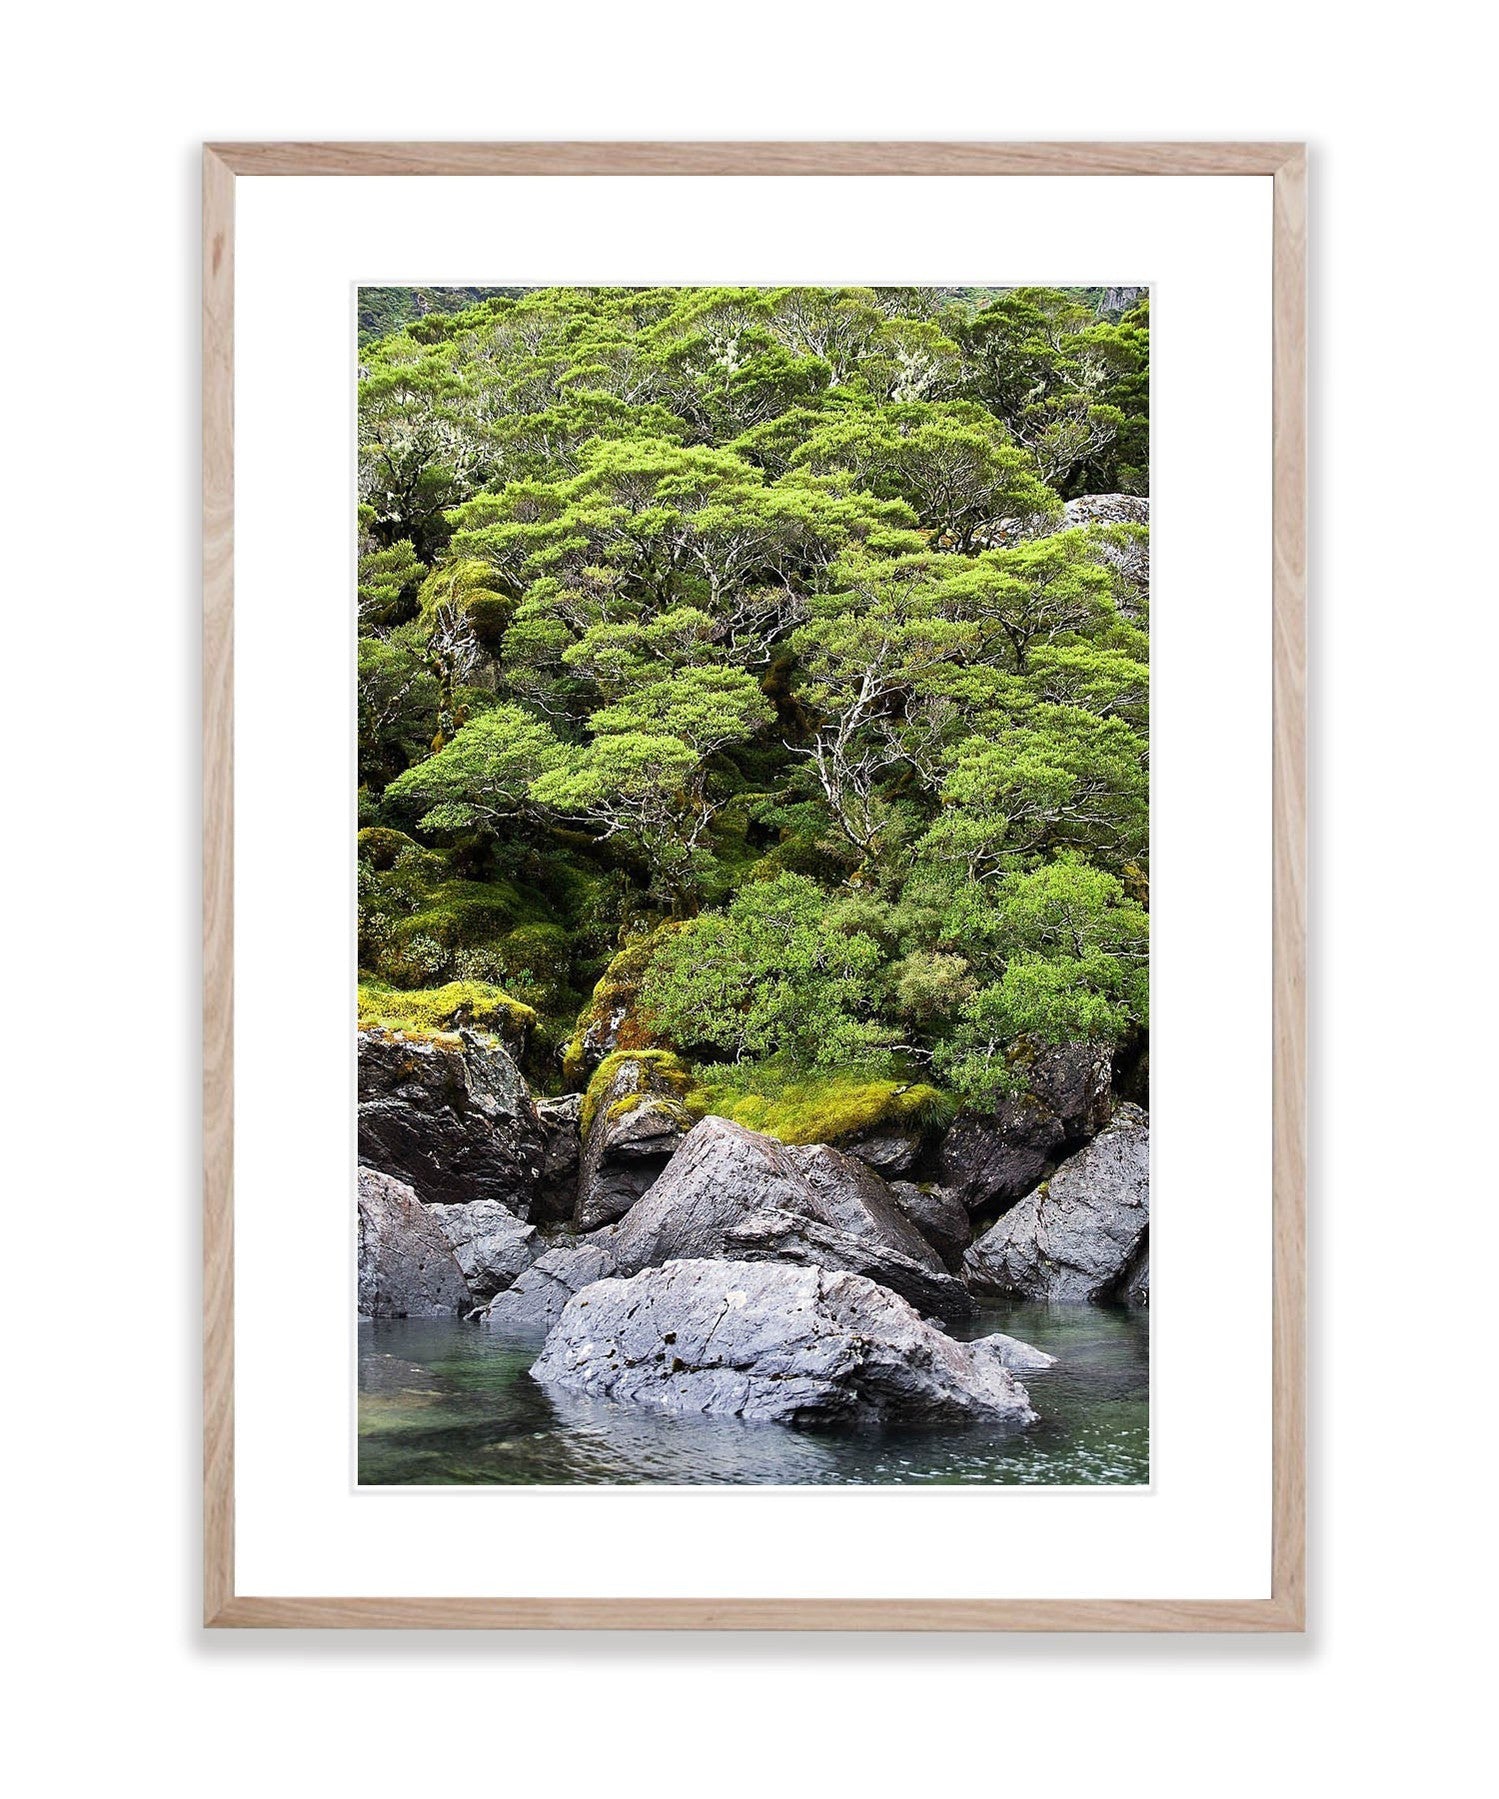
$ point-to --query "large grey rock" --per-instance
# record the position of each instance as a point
(804, 1346)
(939, 1215)
(536, 1300)
(637, 1122)
(731, 1192)
(450, 1115)
(1081, 1235)
(993, 1159)
(491, 1245)
(406, 1267)
(557, 1190)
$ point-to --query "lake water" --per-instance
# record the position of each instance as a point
(451, 1404)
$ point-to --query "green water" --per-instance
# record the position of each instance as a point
(450, 1404)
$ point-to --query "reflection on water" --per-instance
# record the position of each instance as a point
(451, 1404)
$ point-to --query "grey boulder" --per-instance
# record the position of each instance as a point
(939, 1215)
(536, 1300)
(731, 1192)
(989, 1160)
(406, 1267)
(774, 1344)
(1082, 1235)
(490, 1244)
(451, 1115)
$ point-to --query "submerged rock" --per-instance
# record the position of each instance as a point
(406, 1267)
(731, 1192)
(1018, 1357)
(1082, 1235)
(805, 1346)
(636, 1122)
(490, 1244)
(451, 1115)
(993, 1159)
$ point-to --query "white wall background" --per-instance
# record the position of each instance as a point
(106, 106)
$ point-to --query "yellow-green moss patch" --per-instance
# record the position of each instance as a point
(822, 1108)
(670, 1079)
(435, 1011)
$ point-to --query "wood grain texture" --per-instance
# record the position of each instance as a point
(753, 159)
(218, 885)
(1249, 1616)
(1288, 812)
(1285, 1609)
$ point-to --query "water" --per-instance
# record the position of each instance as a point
(451, 1404)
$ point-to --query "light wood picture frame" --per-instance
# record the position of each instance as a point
(1285, 164)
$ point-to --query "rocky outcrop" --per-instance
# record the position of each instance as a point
(636, 1120)
(802, 1346)
(939, 1215)
(406, 1267)
(1083, 1234)
(557, 1190)
(1105, 509)
(451, 1115)
(730, 1192)
(990, 1160)
(490, 1244)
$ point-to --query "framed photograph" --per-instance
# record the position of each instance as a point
(754, 812)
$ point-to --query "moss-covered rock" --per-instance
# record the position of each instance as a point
(639, 1106)
(380, 846)
(440, 1011)
(885, 1123)
(609, 1021)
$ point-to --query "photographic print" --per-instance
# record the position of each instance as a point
(753, 885)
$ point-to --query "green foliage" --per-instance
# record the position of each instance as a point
(779, 973)
(747, 610)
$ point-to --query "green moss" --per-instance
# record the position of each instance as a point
(671, 1081)
(437, 1011)
(616, 991)
(463, 914)
(821, 1108)
(379, 846)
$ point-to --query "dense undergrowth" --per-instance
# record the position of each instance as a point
(730, 687)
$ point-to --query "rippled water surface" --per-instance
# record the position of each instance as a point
(445, 1403)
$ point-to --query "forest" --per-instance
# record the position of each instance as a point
(756, 680)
